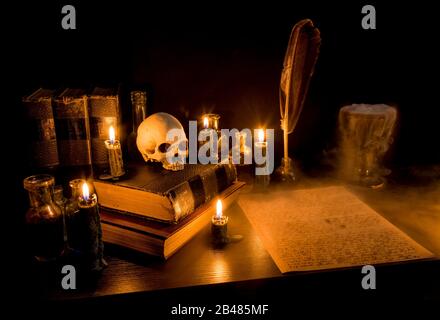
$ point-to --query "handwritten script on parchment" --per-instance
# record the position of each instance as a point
(325, 228)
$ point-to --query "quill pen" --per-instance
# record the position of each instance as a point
(299, 64)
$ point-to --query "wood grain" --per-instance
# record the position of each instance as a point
(198, 264)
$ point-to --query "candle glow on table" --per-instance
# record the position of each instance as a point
(114, 155)
(219, 226)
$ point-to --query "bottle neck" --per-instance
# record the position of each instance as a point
(76, 193)
(139, 114)
(139, 108)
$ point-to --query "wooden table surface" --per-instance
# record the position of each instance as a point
(414, 210)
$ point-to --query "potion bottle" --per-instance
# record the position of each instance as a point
(139, 113)
(73, 223)
(44, 218)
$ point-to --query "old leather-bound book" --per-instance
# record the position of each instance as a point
(162, 239)
(41, 129)
(73, 133)
(104, 110)
(149, 191)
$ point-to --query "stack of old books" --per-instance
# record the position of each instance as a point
(151, 209)
(157, 211)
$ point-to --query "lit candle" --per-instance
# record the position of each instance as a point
(260, 135)
(260, 149)
(219, 225)
(210, 127)
(211, 121)
(91, 245)
(260, 143)
(114, 155)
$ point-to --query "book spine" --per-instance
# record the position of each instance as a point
(72, 129)
(104, 113)
(189, 195)
(41, 130)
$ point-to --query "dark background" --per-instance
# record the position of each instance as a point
(225, 57)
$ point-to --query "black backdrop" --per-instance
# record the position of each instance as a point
(226, 58)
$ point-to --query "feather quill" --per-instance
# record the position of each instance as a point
(299, 64)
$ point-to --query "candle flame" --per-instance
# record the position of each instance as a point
(85, 191)
(205, 122)
(260, 135)
(111, 133)
(219, 209)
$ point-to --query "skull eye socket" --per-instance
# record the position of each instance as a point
(164, 147)
(182, 145)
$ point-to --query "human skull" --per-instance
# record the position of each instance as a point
(154, 141)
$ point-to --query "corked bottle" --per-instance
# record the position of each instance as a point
(139, 113)
(44, 218)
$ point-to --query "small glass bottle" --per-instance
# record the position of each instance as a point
(72, 214)
(139, 113)
(61, 201)
(44, 218)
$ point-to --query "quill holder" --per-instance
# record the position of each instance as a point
(285, 172)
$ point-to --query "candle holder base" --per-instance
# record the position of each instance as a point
(261, 183)
(285, 172)
(116, 178)
(105, 176)
(219, 233)
(220, 243)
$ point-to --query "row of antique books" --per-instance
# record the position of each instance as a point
(69, 127)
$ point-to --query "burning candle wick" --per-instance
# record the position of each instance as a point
(219, 212)
(85, 191)
(260, 135)
(112, 135)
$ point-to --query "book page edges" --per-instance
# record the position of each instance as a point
(136, 201)
(162, 242)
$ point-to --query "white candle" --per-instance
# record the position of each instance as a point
(260, 143)
(114, 155)
(260, 150)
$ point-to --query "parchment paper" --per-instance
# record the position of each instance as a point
(325, 228)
